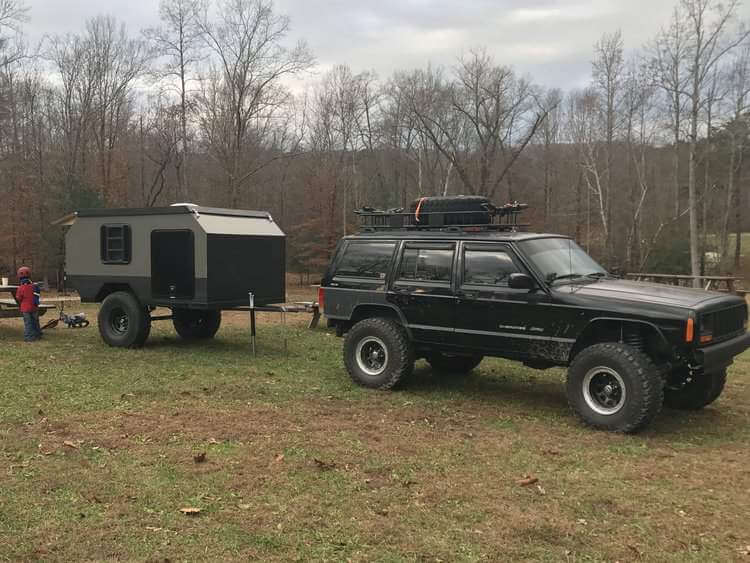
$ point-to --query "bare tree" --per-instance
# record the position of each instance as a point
(550, 132)
(245, 90)
(473, 120)
(588, 133)
(117, 62)
(710, 38)
(668, 57)
(738, 101)
(179, 40)
(608, 69)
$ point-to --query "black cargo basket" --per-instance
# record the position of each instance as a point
(445, 213)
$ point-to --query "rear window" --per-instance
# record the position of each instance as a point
(426, 264)
(366, 260)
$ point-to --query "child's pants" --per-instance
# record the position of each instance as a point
(31, 329)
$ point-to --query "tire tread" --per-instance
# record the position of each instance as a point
(648, 380)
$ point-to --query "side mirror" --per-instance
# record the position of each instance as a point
(521, 281)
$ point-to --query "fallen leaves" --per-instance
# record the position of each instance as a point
(199, 458)
(324, 465)
(279, 458)
(527, 480)
(70, 444)
(190, 510)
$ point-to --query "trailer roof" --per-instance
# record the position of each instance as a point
(176, 209)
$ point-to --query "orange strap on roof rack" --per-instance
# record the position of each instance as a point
(419, 206)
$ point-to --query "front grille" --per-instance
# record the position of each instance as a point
(725, 323)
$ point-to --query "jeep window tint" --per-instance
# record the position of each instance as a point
(366, 260)
(488, 267)
(115, 244)
(557, 258)
(426, 264)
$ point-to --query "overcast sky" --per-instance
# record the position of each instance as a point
(549, 39)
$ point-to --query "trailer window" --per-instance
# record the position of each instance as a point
(115, 244)
(366, 260)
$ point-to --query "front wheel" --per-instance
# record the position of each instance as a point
(195, 324)
(450, 364)
(614, 386)
(377, 353)
(693, 392)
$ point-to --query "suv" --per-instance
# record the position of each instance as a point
(457, 291)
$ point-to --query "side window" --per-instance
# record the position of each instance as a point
(366, 260)
(488, 267)
(115, 241)
(426, 264)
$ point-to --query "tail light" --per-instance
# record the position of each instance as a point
(321, 298)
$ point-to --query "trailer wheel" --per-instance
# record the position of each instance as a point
(194, 324)
(123, 321)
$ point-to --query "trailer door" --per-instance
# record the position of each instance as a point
(173, 264)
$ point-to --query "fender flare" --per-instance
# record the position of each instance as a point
(386, 306)
(587, 329)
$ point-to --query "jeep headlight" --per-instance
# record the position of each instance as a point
(706, 333)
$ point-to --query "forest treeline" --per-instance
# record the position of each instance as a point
(221, 105)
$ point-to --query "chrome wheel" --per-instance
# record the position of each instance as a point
(372, 355)
(604, 390)
(119, 321)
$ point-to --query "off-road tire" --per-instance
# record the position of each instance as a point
(397, 359)
(643, 387)
(449, 364)
(699, 392)
(196, 324)
(123, 321)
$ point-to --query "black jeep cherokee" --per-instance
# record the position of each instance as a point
(454, 293)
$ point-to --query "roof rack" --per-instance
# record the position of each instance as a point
(488, 218)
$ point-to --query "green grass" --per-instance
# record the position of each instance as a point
(744, 242)
(302, 465)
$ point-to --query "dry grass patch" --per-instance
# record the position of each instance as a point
(98, 455)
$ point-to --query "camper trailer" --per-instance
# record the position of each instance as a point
(195, 260)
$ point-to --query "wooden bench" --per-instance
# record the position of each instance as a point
(707, 282)
(9, 308)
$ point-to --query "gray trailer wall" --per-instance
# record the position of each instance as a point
(83, 253)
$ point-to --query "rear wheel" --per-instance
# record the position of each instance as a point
(614, 386)
(123, 321)
(450, 364)
(693, 392)
(377, 353)
(196, 324)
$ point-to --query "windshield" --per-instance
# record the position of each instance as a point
(560, 258)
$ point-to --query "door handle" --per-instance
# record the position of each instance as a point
(403, 290)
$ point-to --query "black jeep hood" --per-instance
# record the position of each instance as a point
(642, 292)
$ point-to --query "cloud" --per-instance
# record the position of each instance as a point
(551, 40)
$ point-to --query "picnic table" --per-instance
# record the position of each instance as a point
(707, 282)
(9, 308)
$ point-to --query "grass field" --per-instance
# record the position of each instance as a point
(100, 448)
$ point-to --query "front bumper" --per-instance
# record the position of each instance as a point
(717, 357)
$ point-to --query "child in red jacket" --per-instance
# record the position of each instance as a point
(27, 297)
